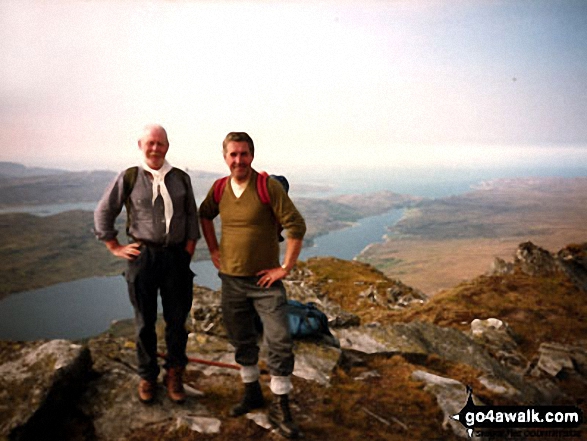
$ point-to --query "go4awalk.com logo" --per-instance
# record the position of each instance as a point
(474, 417)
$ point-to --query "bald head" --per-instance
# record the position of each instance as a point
(149, 128)
(154, 145)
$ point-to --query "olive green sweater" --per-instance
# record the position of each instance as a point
(249, 241)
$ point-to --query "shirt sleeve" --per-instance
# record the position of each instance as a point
(285, 211)
(108, 209)
(209, 209)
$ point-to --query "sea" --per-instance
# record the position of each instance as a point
(84, 308)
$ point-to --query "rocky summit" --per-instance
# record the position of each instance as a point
(399, 365)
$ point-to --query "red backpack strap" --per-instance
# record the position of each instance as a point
(219, 186)
(262, 190)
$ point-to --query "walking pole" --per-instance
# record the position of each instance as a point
(207, 362)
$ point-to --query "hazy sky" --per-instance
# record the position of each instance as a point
(337, 82)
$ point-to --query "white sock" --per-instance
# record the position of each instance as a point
(249, 374)
(280, 385)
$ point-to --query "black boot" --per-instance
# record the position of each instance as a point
(253, 399)
(280, 417)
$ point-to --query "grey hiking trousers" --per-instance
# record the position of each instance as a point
(243, 304)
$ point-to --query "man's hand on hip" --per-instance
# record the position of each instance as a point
(128, 252)
(268, 276)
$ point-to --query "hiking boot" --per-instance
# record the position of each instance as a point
(173, 381)
(280, 417)
(147, 391)
(253, 399)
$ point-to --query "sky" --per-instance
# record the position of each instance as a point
(318, 85)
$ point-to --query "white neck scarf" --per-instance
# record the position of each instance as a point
(159, 181)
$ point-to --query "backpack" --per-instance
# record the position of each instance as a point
(306, 320)
(262, 191)
(128, 183)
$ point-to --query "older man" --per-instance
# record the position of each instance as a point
(248, 260)
(163, 229)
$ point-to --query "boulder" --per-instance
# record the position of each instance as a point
(573, 261)
(501, 268)
(39, 387)
(556, 359)
(388, 340)
(535, 261)
(500, 341)
(451, 396)
(415, 341)
(315, 362)
(199, 424)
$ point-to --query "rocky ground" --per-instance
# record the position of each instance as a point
(517, 336)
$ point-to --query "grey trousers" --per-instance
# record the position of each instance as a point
(243, 303)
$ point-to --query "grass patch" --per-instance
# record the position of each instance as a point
(537, 308)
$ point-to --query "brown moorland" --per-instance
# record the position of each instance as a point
(446, 241)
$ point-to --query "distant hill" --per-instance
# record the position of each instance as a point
(21, 185)
(13, 169)
(55, 188)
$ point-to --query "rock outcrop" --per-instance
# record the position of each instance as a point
(40, 384)
(533, 260)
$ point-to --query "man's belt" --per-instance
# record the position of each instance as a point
(157, 245)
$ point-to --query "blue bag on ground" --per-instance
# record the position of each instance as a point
(306, 320)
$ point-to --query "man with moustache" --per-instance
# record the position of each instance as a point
(249, 267)
(163, 230)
